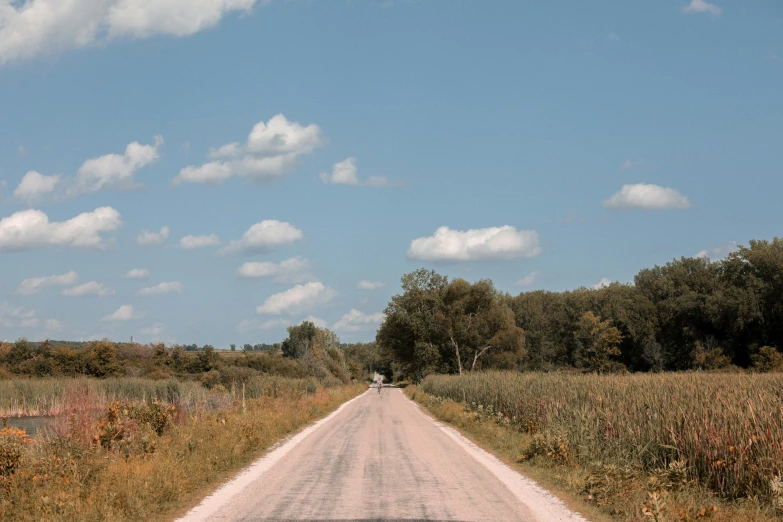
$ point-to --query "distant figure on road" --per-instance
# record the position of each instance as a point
(379, 380)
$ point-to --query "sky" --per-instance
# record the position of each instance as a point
(211, 172)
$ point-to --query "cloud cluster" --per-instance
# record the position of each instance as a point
(272, 150)
(346, 173)
(190, 242)
(168, 287)
(603, 283)
(297, 300)
(93, 288)
(290, 271)
(264, 237)
(370, 285)
(36, 284)
(19, 317)
(356, 321)
(484, 244)
(123, 313)
(718, 252)
(38, 27)
(31, 228)
(136, 273)
(153, 238)
(700, 6)
(35, 185)
(529, 280)
(647, 197)
(114, 170)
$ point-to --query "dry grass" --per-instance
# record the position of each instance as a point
(679, 443)
(141, 462)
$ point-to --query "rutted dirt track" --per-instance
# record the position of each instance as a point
(380, 458)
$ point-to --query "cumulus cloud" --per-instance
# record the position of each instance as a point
(484, 244)
(317, 321)
(163, 288)
(648, 197)
(123, 313)
(700, 6)
(35, 185)
(529, 280)
(604, 282)
(297, 300)
(32, 228)
(718, 252)
(40, 27)
(264, 237)
(290, 271)
(114, 170)
(355, 321)
(346, 173)
(136, 273)
(272, 150)
(92, 288)
(153, 238)
(199, 241)
(36, 284)
(370, 285)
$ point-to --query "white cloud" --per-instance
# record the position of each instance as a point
(123, 313)
(355, 321)
(370, 285)
(32, 228)
(137, 273)
(346, 173)
(155, 330)
(153, 238)
(484, 244)
(272, 150)
(35, 185)
(162, 288)
(700, 6)
(529, 280)
(114, 170)
(627, 164)
(92, 288)
(17, 317)
(40, 27)
(648, 197)
(36, 284)
(293, 270)
(264, 237)
(718, 252)
(297, 300)
(199, 241)
(53, 325)
(317, 321)
(604, 282)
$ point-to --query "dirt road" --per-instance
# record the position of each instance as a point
(380, 458)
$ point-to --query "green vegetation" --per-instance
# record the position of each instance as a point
(689, 314)
(666, 446)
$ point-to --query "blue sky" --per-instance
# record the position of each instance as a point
(307, 146)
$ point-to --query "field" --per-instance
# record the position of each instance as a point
(136, 449)
(671, 436)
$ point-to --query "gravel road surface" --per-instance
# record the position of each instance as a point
(380, 458)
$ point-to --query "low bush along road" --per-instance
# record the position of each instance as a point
(380, 458)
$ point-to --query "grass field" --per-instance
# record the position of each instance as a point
(713, 435)
(133, 460)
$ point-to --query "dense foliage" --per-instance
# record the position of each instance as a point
(688, 314)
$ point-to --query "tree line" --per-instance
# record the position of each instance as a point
(691, 313)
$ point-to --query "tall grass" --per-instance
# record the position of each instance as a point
(727, 428)
(56, 396)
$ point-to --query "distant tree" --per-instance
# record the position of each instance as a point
(768, 359)
(300, 339)
(233, 347)
(599, 340)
